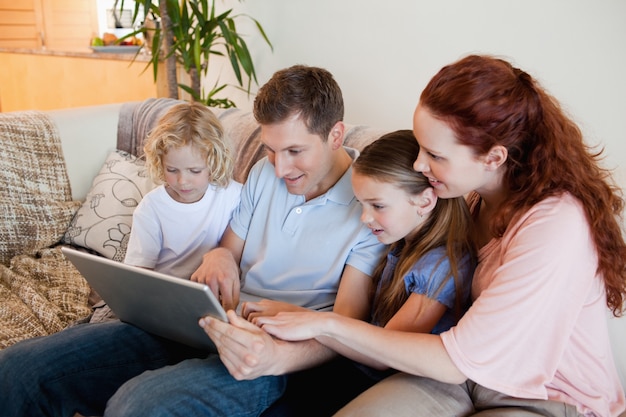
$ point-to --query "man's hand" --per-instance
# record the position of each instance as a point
(247, 351)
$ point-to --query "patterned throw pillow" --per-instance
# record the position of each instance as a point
(35, 196)
(104, 220)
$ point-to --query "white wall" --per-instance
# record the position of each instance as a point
(384, 53)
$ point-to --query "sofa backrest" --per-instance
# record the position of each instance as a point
(88, 135)
(138, 118)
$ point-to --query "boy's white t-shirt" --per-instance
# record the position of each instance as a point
(171, 237)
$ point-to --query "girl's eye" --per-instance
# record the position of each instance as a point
(378, 206)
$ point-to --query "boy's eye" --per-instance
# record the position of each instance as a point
(196, 171)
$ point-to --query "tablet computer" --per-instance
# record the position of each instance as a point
(166, 306)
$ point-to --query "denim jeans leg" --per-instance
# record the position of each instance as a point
(78, 369)
(194, 387)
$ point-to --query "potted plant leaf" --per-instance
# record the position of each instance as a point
(187, 34)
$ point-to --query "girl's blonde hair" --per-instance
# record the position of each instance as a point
(190, 124)
(390, 159)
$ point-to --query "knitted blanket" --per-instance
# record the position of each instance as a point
(40, 292)
(40, 296)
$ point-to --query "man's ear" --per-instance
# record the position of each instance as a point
(496, 157)
(425, 202)
(336, 135)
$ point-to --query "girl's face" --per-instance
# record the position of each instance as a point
(391, 213)
(452, 168)
(186, 174)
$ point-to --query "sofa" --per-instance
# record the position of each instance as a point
(72, 177)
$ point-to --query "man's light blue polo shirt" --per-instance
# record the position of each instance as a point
(295, 250)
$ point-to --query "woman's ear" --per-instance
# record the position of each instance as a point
(496, 157)
(425, 202)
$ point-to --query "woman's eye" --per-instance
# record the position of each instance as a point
(435, 157)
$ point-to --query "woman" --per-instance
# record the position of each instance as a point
(551, 259)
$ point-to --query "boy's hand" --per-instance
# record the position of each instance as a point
(221, 273)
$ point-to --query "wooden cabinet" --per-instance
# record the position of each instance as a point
(46, 80)
(66, 25)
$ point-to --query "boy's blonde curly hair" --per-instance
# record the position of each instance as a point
(190, 124)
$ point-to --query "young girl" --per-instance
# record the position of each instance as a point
(179, 221)
(551, 257)
(422, 285)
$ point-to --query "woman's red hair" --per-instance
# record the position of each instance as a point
(487, 102)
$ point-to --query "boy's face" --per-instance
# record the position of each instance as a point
(186, 174)
(301, 159)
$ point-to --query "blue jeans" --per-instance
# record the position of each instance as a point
(82, 367)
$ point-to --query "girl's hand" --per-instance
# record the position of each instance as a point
(253, 310)
(294, 326)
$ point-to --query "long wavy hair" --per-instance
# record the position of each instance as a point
(487, 102)
(190, 124)
(390, 160)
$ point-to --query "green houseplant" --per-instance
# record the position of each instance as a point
(187, 34)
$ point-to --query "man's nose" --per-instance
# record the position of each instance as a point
(281, 166)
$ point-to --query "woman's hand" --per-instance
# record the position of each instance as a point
(252, 310)
(294, 326)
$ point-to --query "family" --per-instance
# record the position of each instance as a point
(461, 268)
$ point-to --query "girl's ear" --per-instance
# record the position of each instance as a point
(425, 202)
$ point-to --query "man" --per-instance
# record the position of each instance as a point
(295, 235)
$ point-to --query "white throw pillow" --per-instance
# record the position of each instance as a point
(104, 220)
